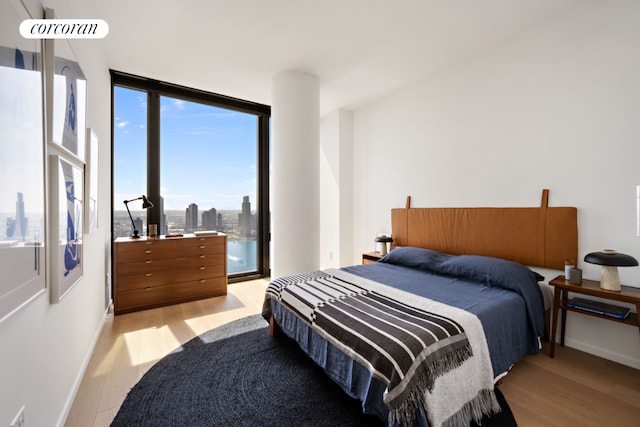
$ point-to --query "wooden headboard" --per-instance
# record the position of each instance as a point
(542, 237)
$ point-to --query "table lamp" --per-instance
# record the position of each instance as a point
(610, 260)
(146, 204)
(383, 239)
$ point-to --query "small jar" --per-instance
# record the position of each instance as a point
(568, 265)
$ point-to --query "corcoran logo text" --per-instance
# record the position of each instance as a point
(64, 28)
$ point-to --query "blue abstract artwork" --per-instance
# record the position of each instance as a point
(67, 212)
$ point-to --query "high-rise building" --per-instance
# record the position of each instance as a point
(162, 227)
(21, 219)
(220, 223)
(246, 221)
(210, 219)
(191, 219)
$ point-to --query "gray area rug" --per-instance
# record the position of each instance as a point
(238, 375)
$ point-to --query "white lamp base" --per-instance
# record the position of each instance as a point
(383, 248)
(609, 278)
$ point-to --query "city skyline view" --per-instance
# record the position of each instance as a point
(208, 154)
(235, 223)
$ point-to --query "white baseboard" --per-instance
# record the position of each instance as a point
(601, 352)
(85, 363)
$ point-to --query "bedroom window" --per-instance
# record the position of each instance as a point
(202, 160)
(129, 170)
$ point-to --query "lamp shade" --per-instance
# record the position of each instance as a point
(384, 239)
(610, 260)
(146, 204)
(611, 257)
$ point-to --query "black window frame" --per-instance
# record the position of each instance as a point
(154, 90)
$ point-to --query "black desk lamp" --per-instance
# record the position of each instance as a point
(610, 260)
(146, 204)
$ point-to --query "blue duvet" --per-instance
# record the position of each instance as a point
(504, 295)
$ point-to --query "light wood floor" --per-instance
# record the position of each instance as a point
(573, 389)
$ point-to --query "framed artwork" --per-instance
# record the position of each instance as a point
(68, 119)
(66, 225)
(91, 182)
(22, 187)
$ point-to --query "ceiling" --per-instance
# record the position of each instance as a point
(359, 49)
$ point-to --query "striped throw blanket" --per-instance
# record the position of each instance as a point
(424, 351)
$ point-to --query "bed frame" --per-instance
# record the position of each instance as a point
(541, 237)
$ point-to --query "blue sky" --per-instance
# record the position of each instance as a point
(208, 154)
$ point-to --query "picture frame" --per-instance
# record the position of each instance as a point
(91, 182)
(69, 98)
(22, 192)
(66, 225)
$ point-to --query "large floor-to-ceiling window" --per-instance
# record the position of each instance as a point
(200, 158)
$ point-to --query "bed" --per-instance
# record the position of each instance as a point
(422, 336)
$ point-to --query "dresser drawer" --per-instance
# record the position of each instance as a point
(143, 280)
(200, 262)
(202, 245)
(146, 249)
(155, 296)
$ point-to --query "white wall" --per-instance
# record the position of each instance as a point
(45, 346)
(336, 189)
(556, 107)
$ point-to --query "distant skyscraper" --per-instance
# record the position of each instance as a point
(138, 224)
(220, 224)
(246, 223)
(162, 227)
(191, 219)
(210, 219)
(21, 219)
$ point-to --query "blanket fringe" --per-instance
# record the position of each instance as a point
(405, 413)
(485, 403)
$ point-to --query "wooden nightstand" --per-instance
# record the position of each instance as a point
(561, 289)
(371, 257)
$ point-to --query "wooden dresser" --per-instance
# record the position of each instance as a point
(152, 272)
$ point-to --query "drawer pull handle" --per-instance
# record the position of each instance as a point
(202, 256)
(148, 288)
(202, 268)
(148, 261)
(202, 280)
(202, 239)
(147, 243)
(148, 274)
(148, 251)
(202, 246)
